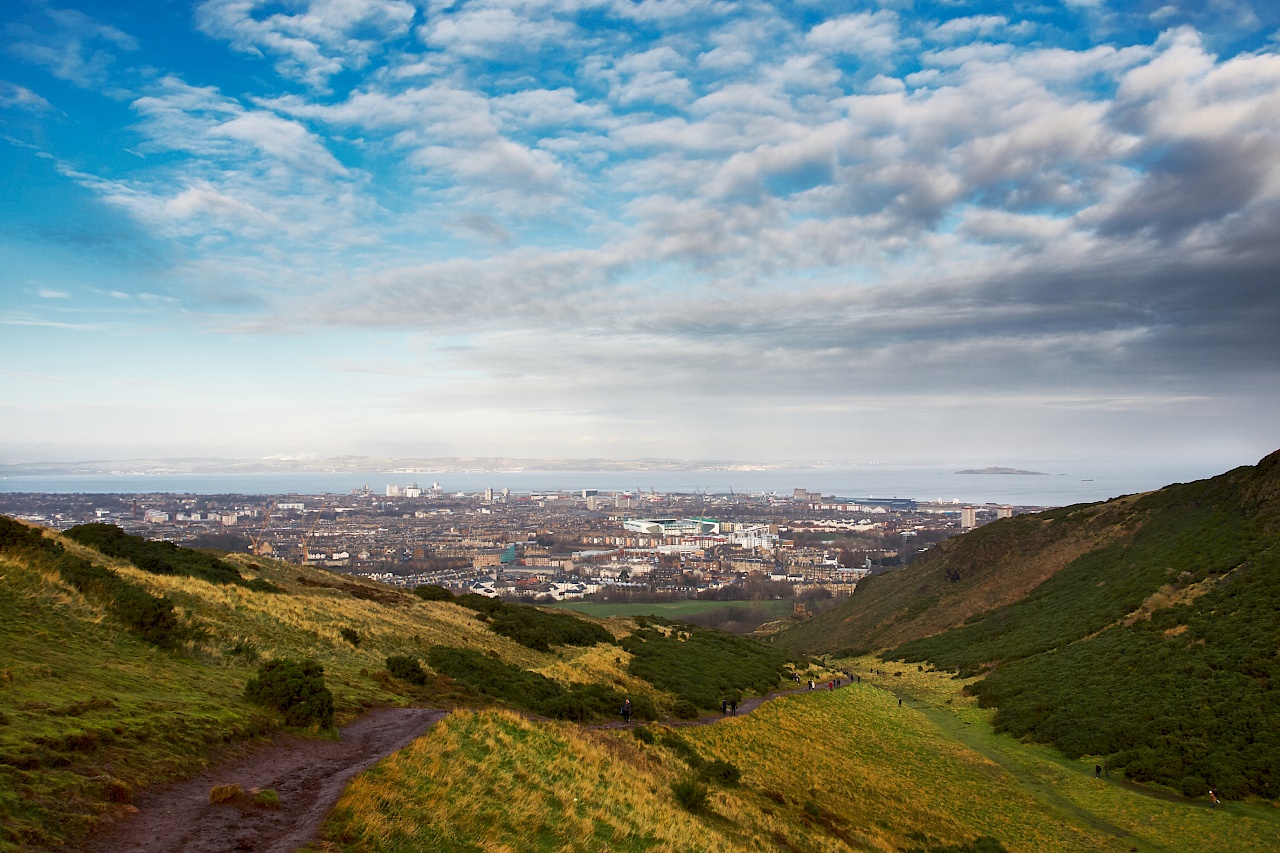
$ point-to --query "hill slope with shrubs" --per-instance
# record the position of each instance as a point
(1156, 648)
(150, 659)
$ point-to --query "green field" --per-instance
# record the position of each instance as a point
(670, 609)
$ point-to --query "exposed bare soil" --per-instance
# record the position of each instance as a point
(308, 775)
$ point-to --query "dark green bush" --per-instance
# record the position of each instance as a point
(721, 772)
(1194, 786)
(162, 558)
(296, 689)
(150, 617)
(351, 636)
(705, 666)
(685, 710)
(691, 794)
(487, 676)
(643, 734)
(534, 628)
(431, 592)
(407, 669)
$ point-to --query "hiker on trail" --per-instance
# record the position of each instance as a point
(724, 706)
(899, 701)
(733, 707)
(1097, 771)
(831, 685)
(626, 711)
(810, 683)
(1213, 796)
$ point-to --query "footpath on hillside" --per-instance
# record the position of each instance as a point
(307, 774)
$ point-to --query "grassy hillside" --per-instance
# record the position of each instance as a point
(124, 663)
(1156, 646)
(849, 770)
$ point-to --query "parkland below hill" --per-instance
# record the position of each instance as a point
(1143, 631)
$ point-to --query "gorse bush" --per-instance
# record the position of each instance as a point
(407, 669)
(691, 794)
(296, 689)
(162, 558)
(351, 635)
(151, 618)
(703, 667)
(487, 676)
(432, 592)
(531, 627)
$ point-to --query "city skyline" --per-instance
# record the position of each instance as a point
(603, 229)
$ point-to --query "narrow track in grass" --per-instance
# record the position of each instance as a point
(307, 774)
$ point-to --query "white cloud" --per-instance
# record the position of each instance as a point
(13, 96)
(868, 34)
(325, 38)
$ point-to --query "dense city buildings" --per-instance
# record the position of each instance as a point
(546, 545)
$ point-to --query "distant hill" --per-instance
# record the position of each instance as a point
(1000, 471)
(1145, 629)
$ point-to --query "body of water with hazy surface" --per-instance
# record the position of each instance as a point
(1062, 483)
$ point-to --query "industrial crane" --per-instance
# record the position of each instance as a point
(260, 545)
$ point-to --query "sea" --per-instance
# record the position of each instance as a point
(1060, 484)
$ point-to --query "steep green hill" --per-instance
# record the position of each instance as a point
(1155, 645)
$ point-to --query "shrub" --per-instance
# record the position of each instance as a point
(162, 558)
(532, 691)
(720, 771)
(643, 734)
(351, 636)
(705, 665)
(407, 669)
(691, 794)
(1194, 786)
(431, 592)
(296, 689)
(685, 710)
(534, 628)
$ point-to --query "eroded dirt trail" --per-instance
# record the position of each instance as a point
(308, 775)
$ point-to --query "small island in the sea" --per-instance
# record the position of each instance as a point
(1000, 471)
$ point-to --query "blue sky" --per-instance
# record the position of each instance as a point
(669, 228)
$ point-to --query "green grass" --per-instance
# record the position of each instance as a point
(1146, 819)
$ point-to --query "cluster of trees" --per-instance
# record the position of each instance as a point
(703, 667)
(488, 676)
(162, 558)
(527, 625)
(150, 617)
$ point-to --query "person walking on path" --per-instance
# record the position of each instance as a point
(1097, 771)
(1213, 796)
(733, 707)
(724, 706)
(626, 711)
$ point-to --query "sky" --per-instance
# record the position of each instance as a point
(691, 229)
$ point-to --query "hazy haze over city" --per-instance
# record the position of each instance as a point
(610, 229)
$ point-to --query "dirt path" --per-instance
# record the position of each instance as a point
(308, 775)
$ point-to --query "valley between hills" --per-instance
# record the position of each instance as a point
(1079, 679)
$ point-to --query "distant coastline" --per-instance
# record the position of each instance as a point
(1001, 471)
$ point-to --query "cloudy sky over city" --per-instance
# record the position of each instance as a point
(672, 228)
